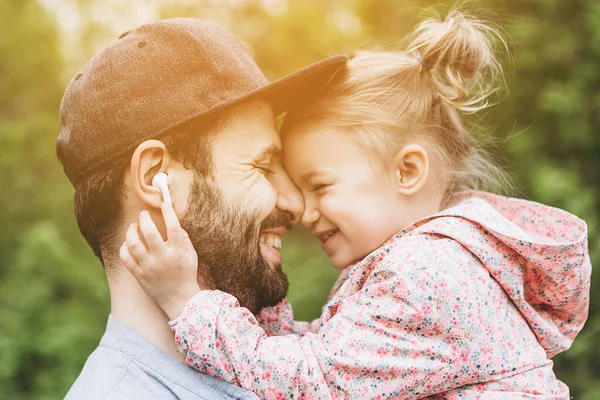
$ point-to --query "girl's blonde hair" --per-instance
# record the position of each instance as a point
(390, 98)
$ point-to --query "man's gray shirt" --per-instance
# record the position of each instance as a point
(127, 366)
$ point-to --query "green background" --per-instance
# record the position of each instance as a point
(53, 293)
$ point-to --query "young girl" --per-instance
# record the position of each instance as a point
(445, 293)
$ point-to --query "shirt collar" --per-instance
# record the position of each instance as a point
(121, 338)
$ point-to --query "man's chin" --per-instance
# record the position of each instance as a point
(274, 284)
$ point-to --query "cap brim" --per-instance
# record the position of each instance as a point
(300, 87)
(293, 90)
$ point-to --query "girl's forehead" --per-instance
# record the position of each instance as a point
(317, 141)
(321, 147)
(315, 133)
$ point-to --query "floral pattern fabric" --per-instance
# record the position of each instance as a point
(469, 303)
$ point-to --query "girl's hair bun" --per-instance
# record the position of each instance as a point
(459, 52)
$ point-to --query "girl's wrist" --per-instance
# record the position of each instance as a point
(174, 305)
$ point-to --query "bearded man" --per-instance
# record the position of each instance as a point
(181, 97)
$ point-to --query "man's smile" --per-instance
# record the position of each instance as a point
(270, 241)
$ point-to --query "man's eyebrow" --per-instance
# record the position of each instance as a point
(271, 150)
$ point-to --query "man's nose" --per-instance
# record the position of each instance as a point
(291, 200)
(289, 197)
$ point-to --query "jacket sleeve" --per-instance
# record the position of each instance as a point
(403, 335)
(279, 320)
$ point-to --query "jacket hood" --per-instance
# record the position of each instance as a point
(538, 254)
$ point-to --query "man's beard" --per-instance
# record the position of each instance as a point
(226, 238)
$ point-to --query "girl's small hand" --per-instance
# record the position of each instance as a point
(166, 270)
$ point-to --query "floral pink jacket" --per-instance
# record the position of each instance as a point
(469, 303)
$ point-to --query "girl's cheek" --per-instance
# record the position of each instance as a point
(332, 208)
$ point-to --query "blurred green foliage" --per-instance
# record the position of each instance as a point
(53, 295)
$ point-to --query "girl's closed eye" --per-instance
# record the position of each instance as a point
(319, 187)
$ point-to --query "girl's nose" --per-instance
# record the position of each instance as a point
(310, 216)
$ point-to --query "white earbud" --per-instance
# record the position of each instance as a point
(160, 181)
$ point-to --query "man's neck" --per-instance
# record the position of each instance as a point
(132, 307)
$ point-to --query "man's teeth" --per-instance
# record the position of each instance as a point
(271, 240)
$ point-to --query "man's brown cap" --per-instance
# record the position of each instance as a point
(159, 76)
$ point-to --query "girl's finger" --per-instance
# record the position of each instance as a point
(128, 260)
(175, 233)
(153, 238)
(136, 248)
(187, 242)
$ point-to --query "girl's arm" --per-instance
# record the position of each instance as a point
(405, 334)
(378, 344)
(279, 320)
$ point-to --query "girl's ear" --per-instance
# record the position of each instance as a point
(411, 169)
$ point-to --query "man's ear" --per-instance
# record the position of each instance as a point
(411, 169)
(149, 158)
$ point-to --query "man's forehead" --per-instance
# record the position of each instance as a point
(256, 109)
(251, 131)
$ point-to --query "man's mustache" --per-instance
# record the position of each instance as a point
(277, 219)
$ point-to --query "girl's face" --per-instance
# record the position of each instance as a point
(351, 202)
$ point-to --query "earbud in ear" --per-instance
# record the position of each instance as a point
(160, 181)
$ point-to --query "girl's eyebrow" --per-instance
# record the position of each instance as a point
(310, 174)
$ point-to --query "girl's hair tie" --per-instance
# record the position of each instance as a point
(420, 60)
